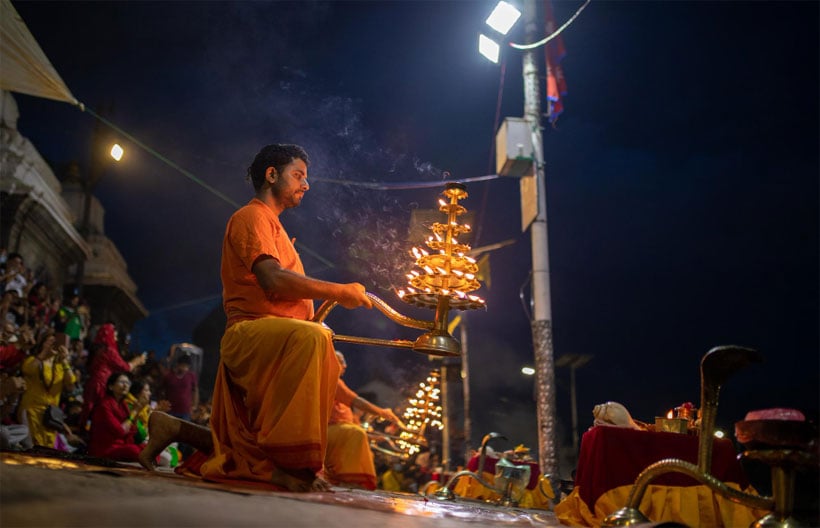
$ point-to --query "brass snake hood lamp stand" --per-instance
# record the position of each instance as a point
(715, 368)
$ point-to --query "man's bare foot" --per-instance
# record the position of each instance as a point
(162, 430)
(299, 480)
(320, 484)
(350, 485)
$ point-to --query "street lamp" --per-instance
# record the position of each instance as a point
(541, 323)
(489, 48)
(502, 19)
(117, 152)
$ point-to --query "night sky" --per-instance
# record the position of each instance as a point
(682, 178)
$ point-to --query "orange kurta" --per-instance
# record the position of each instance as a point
(349, 459)
(255, 231)
(277, 375)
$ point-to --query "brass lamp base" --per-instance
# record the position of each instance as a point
(772, 520)
(437, 344)
(625, 517)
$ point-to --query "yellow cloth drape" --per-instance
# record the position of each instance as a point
(349, 459)
(539, 497)
(272, 398)
(690, 505)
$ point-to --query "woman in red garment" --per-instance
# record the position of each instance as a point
(105, 359)
(113, 424)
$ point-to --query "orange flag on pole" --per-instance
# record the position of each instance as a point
(554, 51)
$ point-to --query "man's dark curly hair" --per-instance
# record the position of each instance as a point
(277, 156)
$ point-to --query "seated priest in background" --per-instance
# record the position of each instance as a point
(349, 460)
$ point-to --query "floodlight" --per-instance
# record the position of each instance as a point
(489, 48)
(503, 17)
(117, 152)
(527, 371)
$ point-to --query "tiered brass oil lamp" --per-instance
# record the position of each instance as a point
(423, 412)
(442, 279)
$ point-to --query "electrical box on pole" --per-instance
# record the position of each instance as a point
(514, 157)
(529, 201)
(513, 148)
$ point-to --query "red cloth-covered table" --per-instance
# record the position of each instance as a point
(610, 460)
(614, 456)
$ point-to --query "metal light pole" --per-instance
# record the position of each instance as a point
(533, 193)
(465, 357)
(465, 387)
(542, 310)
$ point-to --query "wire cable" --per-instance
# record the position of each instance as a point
(554, 34)
(486, 193)
(160, 157)
(527, 310)
(377, 186)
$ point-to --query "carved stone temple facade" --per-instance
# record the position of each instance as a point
(40, 219)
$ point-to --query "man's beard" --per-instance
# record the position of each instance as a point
(287, 200)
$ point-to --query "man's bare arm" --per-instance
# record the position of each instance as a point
(382, 412)
(286, 284)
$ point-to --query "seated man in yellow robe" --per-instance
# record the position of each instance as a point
(277, 371)
(349, 460)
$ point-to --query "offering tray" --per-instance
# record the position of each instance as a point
(776, 434)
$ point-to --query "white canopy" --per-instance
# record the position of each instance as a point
(24, 68)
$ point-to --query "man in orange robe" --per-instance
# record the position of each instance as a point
(277, 372)
(349, 460)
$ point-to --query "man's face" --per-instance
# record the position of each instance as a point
(291, 185)
(27, 335)
(15, 264)
(9, 334)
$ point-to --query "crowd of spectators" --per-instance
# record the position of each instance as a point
(68, 385)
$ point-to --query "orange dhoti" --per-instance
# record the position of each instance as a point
(349, 459)
(272, 399)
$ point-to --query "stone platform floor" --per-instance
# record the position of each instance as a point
(41, 490)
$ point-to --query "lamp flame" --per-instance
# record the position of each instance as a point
(448, 273)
